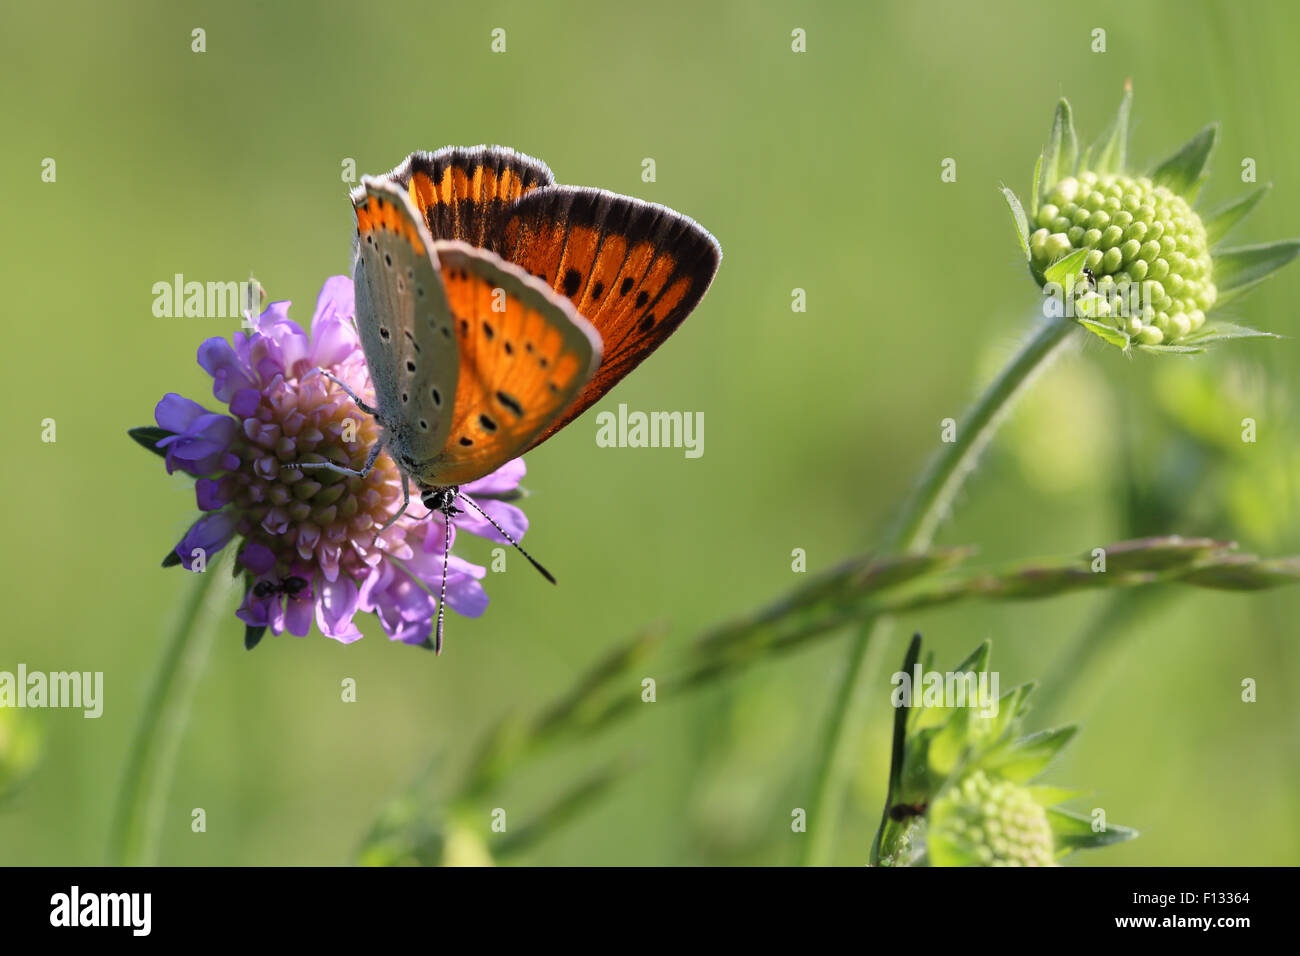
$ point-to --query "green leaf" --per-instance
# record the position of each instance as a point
(1062, 150)
(900, 721)
(1110, 153)
(1221, 331)
(1011, 706)
(1018, 214)
(148, 437)
(1171, 349)
(1065, 267)
(1242, 268)
(1046, 795)
(173, 560)
(1027, 757)
(1033, 195)
(977, 660)
(1073, 831)
(1219, 222)
(1108, 332)
(1181, 171)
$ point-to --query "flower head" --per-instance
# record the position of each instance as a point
(309, 544)
(987, 822)
(1129, 256)
(958, 793)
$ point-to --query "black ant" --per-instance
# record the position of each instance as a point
(902, 811)
(291, 586)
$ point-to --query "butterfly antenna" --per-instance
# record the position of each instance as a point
(442, 594)
(502, 531)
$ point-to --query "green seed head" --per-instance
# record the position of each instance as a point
(1145, 239)
(990, 823)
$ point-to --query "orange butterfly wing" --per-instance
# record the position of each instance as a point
(525, 354)
(462, 191)
(634, 269)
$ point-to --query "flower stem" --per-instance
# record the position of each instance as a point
(139, 814)
(929, 504)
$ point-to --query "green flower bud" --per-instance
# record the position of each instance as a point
(989, 823)
(1057, 245)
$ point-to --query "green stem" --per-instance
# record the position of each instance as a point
(928, 505)
(139, 814)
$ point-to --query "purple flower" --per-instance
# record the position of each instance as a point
(309, 545)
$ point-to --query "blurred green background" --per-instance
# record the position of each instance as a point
(818, 171)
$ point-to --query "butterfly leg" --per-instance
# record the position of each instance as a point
(351, 394)
(406, 503)
(375, 449)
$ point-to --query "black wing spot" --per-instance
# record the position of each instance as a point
(626, 287)
(466, 441)
(388, 260)
(410, 366)
(419, 290)
(528, 347)
(647, 323)
(510, 402)
(510, 349)
(642, 298)
(487, 330)
(437, 396)
(597, 288)
(405, 398)
(424, 426)
(543, 361)
(464, 326)
(446, 331)
(487, 423)
(572, 282)
(554, 388)
(383, 333)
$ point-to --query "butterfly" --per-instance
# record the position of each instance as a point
(495, 306)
